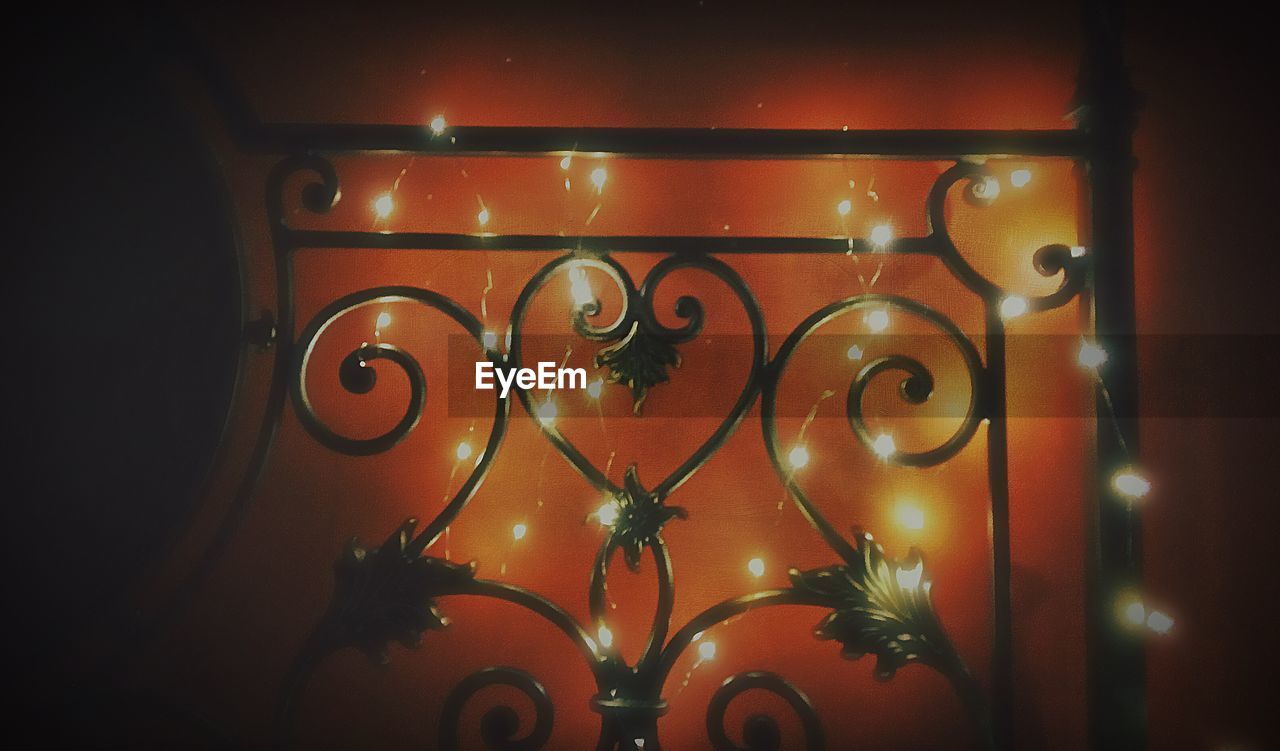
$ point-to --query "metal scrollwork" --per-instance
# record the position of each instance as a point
(760, 732)
(915, 388)
(380, 595)
(640, 361)
(641, 348)
(500, 724)
(390, 594)
(637, 318)
(918, 385)
(641, 516)
(357, 374)
(1049, 261)
(871, 603)
(317, 197)
(876, 605)
(386, 594)
(880, 607)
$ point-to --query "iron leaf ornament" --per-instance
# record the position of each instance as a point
(641, 516)
(638, 360)
(387, 594)
(881, 607)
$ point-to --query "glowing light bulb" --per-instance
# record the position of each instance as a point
(489, 339)
(988, 189)
(1091, 355)
(877, 320)
(909, 578)
(798, 457)
(606, 636)
(910, 515)
(384, 320)
(519, 531)
(547, 413)
(844, 207)
(598, 177)
(881, 235)
(1019, 178)
(595, 388)
(1078, 251)
(383, 205)
(1130, 484)
(854, 353)
(438, 124)
(565, 162)
(1013, 306)
(483, 217)
(756, 567)
(1159, 622)
(884, 446)
(607, 513)
(579, 287)
(464, 451)
(1134, 612)
(707, 651)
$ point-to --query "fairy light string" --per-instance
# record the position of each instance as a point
(1127, 483)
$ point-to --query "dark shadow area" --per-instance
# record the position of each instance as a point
(122, 351)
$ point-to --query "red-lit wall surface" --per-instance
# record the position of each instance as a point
(992, 67)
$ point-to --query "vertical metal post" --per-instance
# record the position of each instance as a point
(1002, 688)
(1117, 701)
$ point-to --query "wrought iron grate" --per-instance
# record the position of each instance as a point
(874, 604)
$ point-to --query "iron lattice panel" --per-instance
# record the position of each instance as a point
(874, 604)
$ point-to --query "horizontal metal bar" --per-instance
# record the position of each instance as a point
(672, 143)
(678, 244)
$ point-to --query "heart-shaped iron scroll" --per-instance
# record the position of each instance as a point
(638, 318)
(358, 376)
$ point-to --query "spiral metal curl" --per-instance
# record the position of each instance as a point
(500, 724)
(761, 732)
(915, 388)
(357, 374)
(1049, 261)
